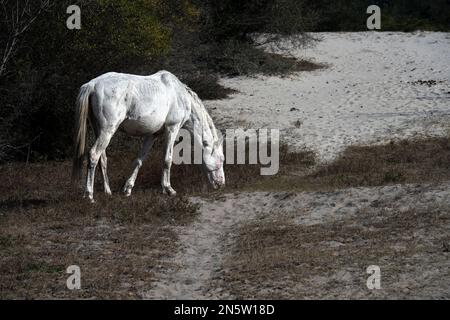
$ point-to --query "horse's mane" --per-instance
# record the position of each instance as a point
(202, 113)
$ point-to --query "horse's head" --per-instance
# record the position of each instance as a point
(213, 160)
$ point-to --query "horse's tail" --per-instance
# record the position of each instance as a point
(81, 116)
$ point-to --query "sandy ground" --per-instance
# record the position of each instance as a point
(378, 87)
(199, 269)
(203, 250)
(368, 94)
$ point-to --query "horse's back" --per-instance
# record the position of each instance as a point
(112, 78)
(141, 104)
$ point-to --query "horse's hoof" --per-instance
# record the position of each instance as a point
(170, 192)
(89, 197)
(127, 191)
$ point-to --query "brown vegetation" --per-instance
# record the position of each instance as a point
(279, 259)
(406, 161)
(276, 257)
(118, 242)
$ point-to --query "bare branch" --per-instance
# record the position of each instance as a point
(18, 20)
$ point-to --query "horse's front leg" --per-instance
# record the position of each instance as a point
(171, 135)
(148, 142)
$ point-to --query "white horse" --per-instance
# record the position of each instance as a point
(143, 106)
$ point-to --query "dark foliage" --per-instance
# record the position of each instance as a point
(396, 15)
(196, 40)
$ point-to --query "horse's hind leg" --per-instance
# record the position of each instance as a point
(148, 142)
(103, 162)
(95, 153)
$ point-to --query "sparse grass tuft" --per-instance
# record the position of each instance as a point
(405, 161)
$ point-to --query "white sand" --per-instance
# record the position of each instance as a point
(363, 97)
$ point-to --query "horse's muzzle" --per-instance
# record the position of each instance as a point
(218, 184)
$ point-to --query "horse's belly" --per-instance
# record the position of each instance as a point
(140, 127)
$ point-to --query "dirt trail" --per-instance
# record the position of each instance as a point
(198, 267)
(200, 258)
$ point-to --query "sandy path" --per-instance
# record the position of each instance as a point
(196, 264)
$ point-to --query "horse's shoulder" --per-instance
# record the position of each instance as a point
(165, 73)
(167, 78)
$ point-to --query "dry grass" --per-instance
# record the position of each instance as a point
(118, 242)
(407, 161)
(283, 260)
(190, 179)
(397, 162)
(274, 257)
(45, 225)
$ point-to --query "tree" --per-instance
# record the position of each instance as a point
(239, 20)
(18, 17)
(44, 63)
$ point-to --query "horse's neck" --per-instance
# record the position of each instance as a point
(201, 123)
